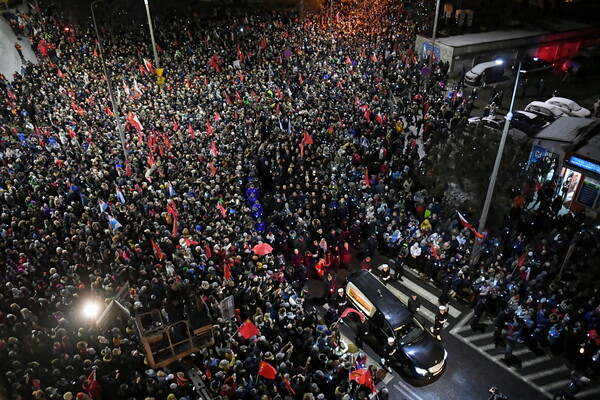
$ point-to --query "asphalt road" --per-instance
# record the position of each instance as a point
(585, 90)
(474, 363)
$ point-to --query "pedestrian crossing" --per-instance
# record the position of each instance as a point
(545, 373)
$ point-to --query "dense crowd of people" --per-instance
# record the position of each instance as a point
(310, 135)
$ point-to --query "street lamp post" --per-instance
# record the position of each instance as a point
(152, 34)
(113, 101)
(490, 191)
(435, 22)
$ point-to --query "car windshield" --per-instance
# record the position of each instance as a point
(410, 331)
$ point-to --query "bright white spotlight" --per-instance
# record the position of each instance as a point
(90, 310)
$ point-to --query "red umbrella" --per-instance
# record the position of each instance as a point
(262, 248)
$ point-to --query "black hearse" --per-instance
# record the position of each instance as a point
(419, 354)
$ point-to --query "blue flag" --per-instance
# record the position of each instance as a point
(113, 222)
(120, 195)
(103, 206)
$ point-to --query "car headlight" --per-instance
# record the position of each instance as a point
(421, 371)
(445, 354)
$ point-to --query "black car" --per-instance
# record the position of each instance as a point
(531, 66)
(420, 355)
(528, 122)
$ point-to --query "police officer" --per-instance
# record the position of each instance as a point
(384, 273)
(440, 320)
(340, 300)
(389, 351)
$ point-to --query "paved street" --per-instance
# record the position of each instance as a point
(474, 363)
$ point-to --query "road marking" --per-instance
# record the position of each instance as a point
(479, 336)
(501, 364)
(515, 353)
(555, 385)
(487, 347)
(589, 392)
(411, 393)
(541, 374)
(462, 323)
(414, 288)
(424, 312)
(537, 360)
(388, 378)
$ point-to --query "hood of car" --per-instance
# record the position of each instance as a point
(425, 352)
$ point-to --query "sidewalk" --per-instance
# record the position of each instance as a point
(10, 61)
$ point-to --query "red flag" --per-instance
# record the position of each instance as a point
(59, 73)
(157, 250)
(222, 209)
(175, 126)
(301, 150)
(279, 93)
(207, 251)
(330, 128)
(277, 110)
(348, 60)
(266, 370)
(227, 98)
(468, 226)
(209, 128)
(213, 170)
(521, 260)
(434, 251)
(191, 131)
(367, 181)
(95, 53)
(237, 95)
(127, 168)
(339, 84)
(300, 80)
(263, 42)
(37, 130)
(361, 376)
(248, 329)
(307, 138)
(349, 310)
(108, 111)
(213, 147)
(175, 226)
(227, 276)
(288, 386)
(190, 242)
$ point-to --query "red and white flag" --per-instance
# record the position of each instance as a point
(133, 120)
(468, 225)
(148, 66)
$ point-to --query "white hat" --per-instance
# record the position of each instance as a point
(340, 290)
(390, 340)
(442, 308)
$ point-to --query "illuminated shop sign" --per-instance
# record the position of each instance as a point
(585, 164)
